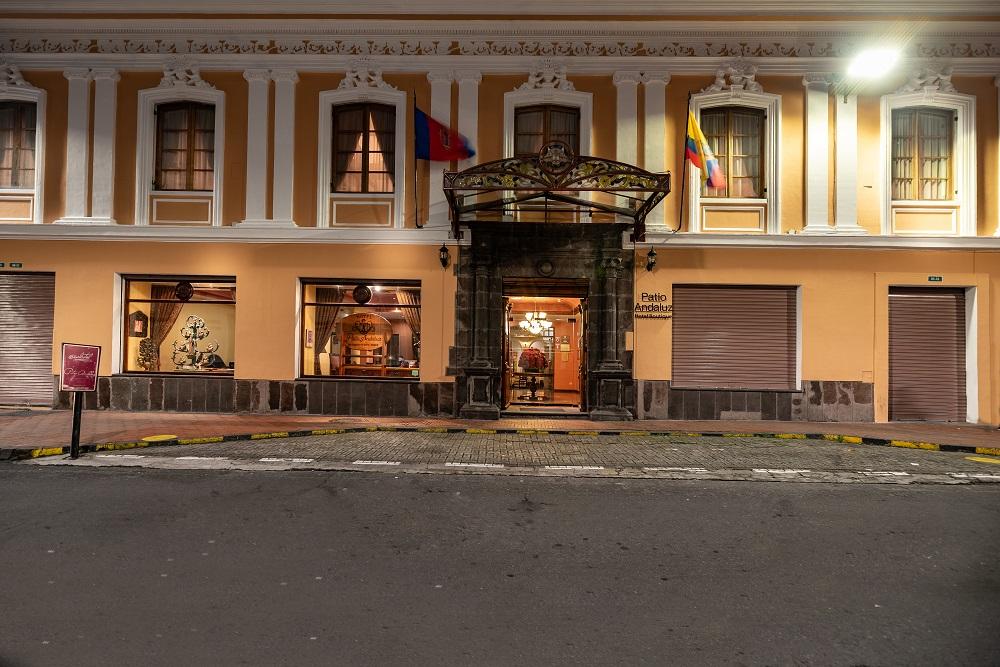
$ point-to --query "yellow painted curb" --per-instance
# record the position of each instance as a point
(46, 451)
(791, 436)
(849, 439)
(914, 445)
(527, 432)
(582, 433)
(737, 435)
(158, 438)
(635, 433)
(432, 429)
(371, 429)
(265, 436)
(200, 441)
(326, 431)
(988, 450)
(480, 431)
(982, 459)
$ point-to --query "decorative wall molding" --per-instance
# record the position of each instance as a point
(931, 78)
(735, 77)
(10, 76)
(183, 73)
(547, 74)
(363, 73)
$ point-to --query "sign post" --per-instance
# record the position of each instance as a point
(78, 373)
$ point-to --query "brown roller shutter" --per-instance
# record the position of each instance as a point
(26, 304)
(927, 354)
(734, 337)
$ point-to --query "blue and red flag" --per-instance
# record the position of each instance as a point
(436, 141)
(697, 150)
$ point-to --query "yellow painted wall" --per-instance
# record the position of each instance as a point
(266, 291)
(986, 148)
(844, 305)
(56, 89)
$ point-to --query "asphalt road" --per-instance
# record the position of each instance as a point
(160, 567)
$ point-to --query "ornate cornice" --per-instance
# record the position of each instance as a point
(540, 39)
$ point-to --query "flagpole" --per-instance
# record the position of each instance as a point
(684, 167)
(416, 179)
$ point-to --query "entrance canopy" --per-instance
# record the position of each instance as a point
(554, 186)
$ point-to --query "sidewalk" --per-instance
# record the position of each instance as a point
(51, 429)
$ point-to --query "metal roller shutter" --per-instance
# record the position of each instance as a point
(734, 337)
(27, 302)
(927, 354)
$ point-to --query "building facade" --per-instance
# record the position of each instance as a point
(228, 201)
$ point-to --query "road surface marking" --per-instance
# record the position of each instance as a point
(574, 467)
(982, 459)
(119, 456)
(883, 473)
(475, 465)
(202, 458)
(276, 460)
(672, 469)
(376, 463)
(781, 471)
(976, 475)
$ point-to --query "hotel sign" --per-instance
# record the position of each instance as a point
(78, 371)
(365, 331)
(653, 306)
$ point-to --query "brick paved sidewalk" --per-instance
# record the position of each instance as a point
(52, 428)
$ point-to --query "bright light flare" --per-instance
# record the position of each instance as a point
(873, 63)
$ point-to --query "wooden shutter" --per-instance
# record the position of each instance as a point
(27, 302)
(734, 337)
(927, 354)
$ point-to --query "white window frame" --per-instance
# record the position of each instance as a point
(771, 104)
(963, 155)
(331, 98)
(568, 98)
(28, 93)
(145, 156)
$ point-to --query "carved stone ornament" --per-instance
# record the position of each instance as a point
(10, 75)
(547, 74)
(363, 74)
(928, 79)
(183, 74)
(735, 76)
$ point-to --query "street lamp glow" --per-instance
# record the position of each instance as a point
(873, 63)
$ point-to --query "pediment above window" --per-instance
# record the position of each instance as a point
(183, 74)
(735, 77)
(547, 74)
(362, 73)
(929, 80)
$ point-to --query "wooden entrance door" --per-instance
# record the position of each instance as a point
(581, 343)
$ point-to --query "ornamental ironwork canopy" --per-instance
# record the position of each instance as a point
(554, 186)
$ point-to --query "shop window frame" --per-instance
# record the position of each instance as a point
(119, 351)
(347, 301)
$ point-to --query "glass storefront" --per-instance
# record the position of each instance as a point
(369, 329)
(179, 325)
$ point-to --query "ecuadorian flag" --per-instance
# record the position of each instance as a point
(697, 150)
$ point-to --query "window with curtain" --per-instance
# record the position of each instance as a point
(736, 136)
(180, 325)
(536, 126)
(17, 144)
(369, 329)
(922, 154)
(364, 148)
(185, 146)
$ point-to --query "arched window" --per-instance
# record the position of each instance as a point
(17, 144)
(185, 146)
(364, 148)
(537, 125)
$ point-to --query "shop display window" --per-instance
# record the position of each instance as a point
(361, 329)
(179, 325)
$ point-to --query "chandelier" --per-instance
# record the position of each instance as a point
(535, 323)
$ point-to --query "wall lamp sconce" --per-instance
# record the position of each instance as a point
(444, 255)
(650, 259)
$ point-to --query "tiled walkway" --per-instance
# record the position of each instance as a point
(52, 428)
